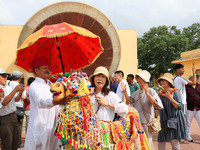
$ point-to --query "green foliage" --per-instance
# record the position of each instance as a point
(193, 34)
(161, 45)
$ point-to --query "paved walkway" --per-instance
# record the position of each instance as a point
(192, 146)
(195, 134)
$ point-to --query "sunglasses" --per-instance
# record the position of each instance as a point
(4, 75)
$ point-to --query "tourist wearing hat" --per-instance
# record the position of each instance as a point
(193, 105)
(16, 79)
(105, 102)
(180, 83)
(8, 118)
(43, 112)
(148, 98)
(171, 99)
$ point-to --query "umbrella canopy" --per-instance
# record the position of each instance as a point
(65, 46)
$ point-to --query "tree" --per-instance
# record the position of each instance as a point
(158, 47)
(193, 34)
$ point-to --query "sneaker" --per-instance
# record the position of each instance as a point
(189, 139)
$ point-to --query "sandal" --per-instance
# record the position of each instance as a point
(184, 142)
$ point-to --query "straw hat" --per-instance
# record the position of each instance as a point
(145, 75)
(100, 70)
(167, 76)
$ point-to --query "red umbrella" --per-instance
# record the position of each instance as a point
(71, 46)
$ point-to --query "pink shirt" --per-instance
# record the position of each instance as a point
(26, 104)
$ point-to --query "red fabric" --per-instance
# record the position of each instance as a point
(55, 29)
(132, 121)
(83, 104)
(53, 79)
(26, 104)
(77, 50)
(1, 90)
(193, 102)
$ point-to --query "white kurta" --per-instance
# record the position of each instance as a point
(107, 114)
(40, 134)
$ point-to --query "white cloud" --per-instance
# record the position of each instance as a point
(6, 16)
(125, 14)
(27, 2)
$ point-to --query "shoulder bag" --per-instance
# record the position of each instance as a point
(154, 125)
(172, 123)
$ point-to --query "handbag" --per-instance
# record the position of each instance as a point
(20, 112)
(154, 125)
(172, 123)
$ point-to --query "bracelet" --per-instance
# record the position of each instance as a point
(172, 100)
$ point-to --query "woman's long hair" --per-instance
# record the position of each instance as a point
(105, 91)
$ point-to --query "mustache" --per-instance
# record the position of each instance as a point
(47, 72)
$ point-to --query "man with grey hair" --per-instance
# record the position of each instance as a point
(113, 85)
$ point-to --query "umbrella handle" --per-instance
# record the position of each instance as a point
(58, 46)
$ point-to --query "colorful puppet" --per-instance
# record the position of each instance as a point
(79, 128)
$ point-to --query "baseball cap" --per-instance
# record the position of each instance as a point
(16, 74)
(3, 72)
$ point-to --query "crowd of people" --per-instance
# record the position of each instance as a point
(178, 102)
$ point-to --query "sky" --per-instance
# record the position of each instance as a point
(140, 15)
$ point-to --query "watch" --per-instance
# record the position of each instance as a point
(172, 100)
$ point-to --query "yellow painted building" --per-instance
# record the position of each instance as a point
(187, 59)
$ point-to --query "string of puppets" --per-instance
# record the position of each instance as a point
(79, 128)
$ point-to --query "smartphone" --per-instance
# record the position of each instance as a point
(22, 80)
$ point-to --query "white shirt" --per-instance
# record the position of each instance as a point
(20, 103)
(107, 114)
(119, 89)
(180, 82)
(11, 107)
(42, 117)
